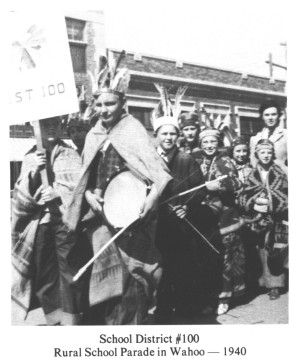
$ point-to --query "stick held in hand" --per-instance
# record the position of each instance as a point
(193, 189)
(100, 251)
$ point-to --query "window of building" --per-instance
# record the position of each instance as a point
(143, 115)
(78, 56)
(75, 31)
(248, 121)
(249, 126)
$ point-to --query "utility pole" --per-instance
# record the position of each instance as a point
(271, 80)
(284, 44)
(273, 64)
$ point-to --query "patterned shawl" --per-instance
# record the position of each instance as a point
(26, 213)
(131, 141)
(243, 170)
(275, 188)
(222, 201)
(269, 225)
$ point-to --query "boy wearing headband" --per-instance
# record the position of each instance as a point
(123, 280)
(221, 198)
(178, 244)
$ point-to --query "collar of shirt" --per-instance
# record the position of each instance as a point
(265, 133)
(166, 156)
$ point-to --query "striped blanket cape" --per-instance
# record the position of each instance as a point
(131, 141)
(26, 214)
(275, 189)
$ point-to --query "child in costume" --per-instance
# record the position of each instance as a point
(265, 199)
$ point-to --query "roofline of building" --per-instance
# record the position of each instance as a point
(195, 64)
(96, 16)
(205, 83)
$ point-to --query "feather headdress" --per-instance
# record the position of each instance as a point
(166, 112)
(110, 78)
(190, 118)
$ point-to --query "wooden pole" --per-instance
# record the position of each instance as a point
(193, 189)
(100, 251)
(38, 137)
(197, 231)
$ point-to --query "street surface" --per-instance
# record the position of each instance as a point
(260, 310)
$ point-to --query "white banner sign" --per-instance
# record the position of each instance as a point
(41, 78)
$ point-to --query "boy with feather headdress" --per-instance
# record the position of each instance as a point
(123, 283)
(180, 289)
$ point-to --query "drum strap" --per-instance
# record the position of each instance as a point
(105, 146)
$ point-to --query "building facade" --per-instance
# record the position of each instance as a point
(86, 37)
(226, 97)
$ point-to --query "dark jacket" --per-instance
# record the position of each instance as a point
(171, 231)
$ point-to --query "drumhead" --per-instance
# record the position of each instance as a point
(123, 199)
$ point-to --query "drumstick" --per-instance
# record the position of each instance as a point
(86, 266)
(198, 232)
(193, 189)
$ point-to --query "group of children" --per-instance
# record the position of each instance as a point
(247, 219)
(228, 237)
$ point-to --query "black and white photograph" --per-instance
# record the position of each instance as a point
(149, 173)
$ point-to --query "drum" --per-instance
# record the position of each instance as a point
(123, 196)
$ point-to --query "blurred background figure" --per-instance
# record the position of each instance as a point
(77, 131)
(189, 126)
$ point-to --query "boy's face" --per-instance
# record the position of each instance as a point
(109, 108)
(240, 153)
(50, 130)
(78, 135)
(209, 145)
(190, 133)
(167, 137)
(265, 156)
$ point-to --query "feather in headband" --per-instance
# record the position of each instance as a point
(165, 106)
(110, 78)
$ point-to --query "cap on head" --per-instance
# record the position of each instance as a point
(165, 120)
(188, 119)
(264, 144)
(167, 113)
(238, 141)
(209, 132)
